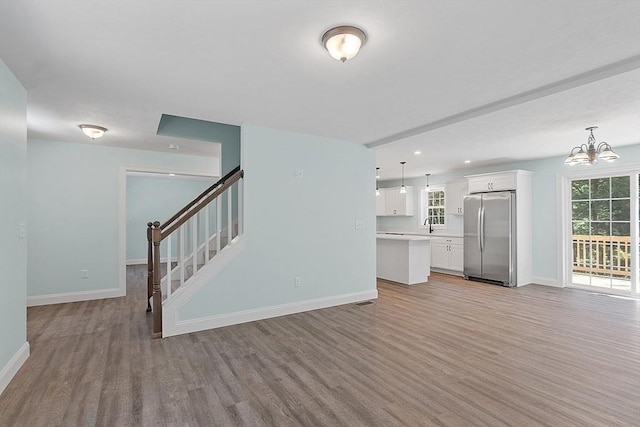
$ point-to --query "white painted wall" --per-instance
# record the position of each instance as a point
(297, 227)
(156, 198)
(14, 348)
(76, 202)
(546, 174)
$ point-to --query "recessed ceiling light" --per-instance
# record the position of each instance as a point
(467, 161)
(172, 174)
(417, 152)
(174, 146)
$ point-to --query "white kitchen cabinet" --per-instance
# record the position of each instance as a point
(499, 181)
(454, 193)
(447, 254)
(391, 202)
(520, 181)
(381, 206)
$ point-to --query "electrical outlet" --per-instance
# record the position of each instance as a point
(84, 274)
(297, 282)
(299, 174)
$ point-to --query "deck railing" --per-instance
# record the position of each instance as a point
(602, 255)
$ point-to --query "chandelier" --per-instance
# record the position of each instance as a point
(589, 154)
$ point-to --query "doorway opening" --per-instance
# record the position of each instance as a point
(604, 233)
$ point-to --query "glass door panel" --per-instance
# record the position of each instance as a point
(601, 232)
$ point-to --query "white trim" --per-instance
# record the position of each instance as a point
(546, 281)
(11, 368)
(138, 261)
(564, 207)
(211, 322)
(61, 298)
(183, 294)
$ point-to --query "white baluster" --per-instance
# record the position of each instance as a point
(218, 223)
(168, 276)
(206, 234)
(194, 238)
(240, 206)
(229, 214)
(181, 253)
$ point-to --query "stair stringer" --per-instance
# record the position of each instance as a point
(172, 305)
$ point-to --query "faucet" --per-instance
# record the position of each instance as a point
(430, 226)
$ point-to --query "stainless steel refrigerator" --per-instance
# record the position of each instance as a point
(490, 237)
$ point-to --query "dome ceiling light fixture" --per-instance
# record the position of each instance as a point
(344, 42)
(589, 154)
(93, 131)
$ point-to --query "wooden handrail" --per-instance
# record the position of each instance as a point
(157, 232)
(192, 203)
(186, 216)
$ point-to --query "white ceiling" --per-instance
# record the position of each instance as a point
(122, 64)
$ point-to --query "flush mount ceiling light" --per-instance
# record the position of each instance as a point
(344, 42)
(589, 154)
(93, 131)
(403, 190)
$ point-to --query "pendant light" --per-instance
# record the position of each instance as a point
(589, 154)
(377, 177)
(403, 190)
(426, 187)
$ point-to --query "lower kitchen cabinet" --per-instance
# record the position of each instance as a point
(447, 254)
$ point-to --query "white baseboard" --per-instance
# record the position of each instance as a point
(547, 281)
(11, 368)
(35, 300)
(186, 326)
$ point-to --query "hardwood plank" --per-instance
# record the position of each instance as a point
(446, 353)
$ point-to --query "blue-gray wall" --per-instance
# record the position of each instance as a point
(13, 212)
(297, 227)
(228, 136)
(76, 202)
(156, 198)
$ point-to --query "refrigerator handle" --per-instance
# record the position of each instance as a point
(479, 229)
(481, 234)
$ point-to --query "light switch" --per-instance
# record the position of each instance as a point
(22, 230)
(359, 225)
(298, 174)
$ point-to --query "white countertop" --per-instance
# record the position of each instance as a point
(410, 233)
(408, 237)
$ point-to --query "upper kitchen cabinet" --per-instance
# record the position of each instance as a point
(454, 193)
(391, 202)
(498, 181)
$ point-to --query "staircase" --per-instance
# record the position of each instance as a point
(191, 240)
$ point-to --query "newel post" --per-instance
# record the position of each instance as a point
(149, 266)
(156, 235)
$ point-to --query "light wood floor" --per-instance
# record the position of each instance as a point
(449, 352)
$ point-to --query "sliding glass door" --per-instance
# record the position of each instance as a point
(604, 233)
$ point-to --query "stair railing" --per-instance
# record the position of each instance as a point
(191, 255)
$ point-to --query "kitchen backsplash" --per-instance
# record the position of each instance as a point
(409, 224)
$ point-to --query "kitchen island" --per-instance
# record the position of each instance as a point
(403, 258)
